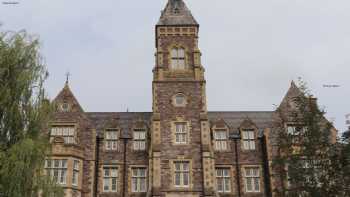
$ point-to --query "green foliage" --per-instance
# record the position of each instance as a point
(24, 112)
(308, 158)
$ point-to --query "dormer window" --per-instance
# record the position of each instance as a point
(220, 136)
(111, 139)
(178, 58)
(248, 138)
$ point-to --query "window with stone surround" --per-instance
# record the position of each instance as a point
(248, 138)
(111, 139)
(220, 137)
(252, 179)
(110, 179)
(223, 180)
(75, 177)
(178, 58)
(179, 100)
(181, 132)
(295, 131)
(67, 132)
(139, 179)
(181, 173)
(139, 141)
(57, 170)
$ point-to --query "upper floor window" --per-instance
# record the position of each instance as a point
(177, 58)
(67, 132)
(295, 131)
(182, 173)
(65, 107)
(220, 136)
(139, 139)
(248, 139)
(110, 179)
(75, 177)
(181, 133)
(223, 182)
(57, 169)
(252, 179)
(111, 139)
(138, 183)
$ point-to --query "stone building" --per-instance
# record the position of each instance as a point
(178, 149)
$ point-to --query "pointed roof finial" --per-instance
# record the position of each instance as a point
(67, 77)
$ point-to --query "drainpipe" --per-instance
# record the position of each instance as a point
(97, 155)
(125, 140)
(235, 138)
(266, 167)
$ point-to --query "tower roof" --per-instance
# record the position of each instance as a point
(176, 13)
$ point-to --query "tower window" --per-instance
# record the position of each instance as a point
(179, 100)
(181, 133)
(178, 58)
(182, 173)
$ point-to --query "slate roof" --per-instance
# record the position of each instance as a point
(262, 119)
(176, 13)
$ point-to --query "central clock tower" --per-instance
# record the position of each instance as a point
(182, 157)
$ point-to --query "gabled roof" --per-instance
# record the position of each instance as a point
(292, 93)
(176, 13)
(67, 96)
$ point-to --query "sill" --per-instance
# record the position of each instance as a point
(110, 150)
(138, 151)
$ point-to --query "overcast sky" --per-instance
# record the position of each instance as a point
(252, 49)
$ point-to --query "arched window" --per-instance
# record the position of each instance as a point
(178, 58)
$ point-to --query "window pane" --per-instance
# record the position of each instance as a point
(106, 172)
(227, 185)
(181, 64)
(181, 53)
(106, 184)
(256, 184)
(174, 53)
(114, 184)
(219, 184)
(177, 179)
(249, 184)
(252, 145)
(134, 184)
(186, 178)
(251, 135)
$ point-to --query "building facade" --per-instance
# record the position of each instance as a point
(178, 149)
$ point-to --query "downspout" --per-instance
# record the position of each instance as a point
(97, 155)
(238, 174)
(266, 167)
(124, 168)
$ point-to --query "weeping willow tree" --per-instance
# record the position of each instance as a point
(24, 112)
(310, 160)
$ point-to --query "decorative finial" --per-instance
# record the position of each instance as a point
(67, 77)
